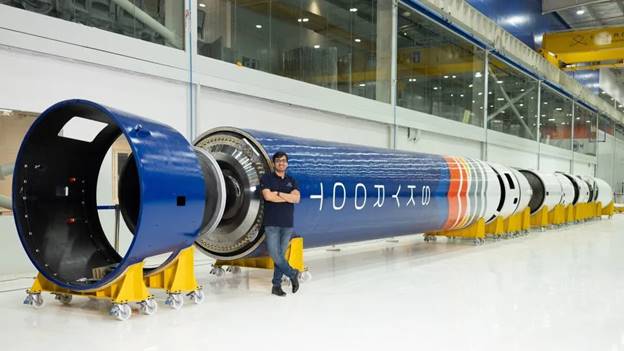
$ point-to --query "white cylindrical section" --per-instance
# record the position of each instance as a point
(510, 195)
(553, 190)
(567, 189)
(584, 193)
(525, 190)
(605, 193)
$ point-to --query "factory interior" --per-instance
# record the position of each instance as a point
(312, 174)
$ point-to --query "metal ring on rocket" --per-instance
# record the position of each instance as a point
(55, 190)
(569, 189)
(584, 191)
(526, 192)
(243, 162)
(546, 189)
(510, 194)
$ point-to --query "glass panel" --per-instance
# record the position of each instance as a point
(555, 119)
(585, 123)
(606, 125)
(512, 101)
(619, 131)
(343, 45)
(157, 21)
(438, 72)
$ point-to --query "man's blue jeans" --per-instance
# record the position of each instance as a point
(278, 239)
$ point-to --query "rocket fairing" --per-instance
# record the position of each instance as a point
(173, 194)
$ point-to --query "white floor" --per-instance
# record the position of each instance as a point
(556, 290)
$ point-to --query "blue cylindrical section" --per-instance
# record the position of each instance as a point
(354, 193)
(55, 185)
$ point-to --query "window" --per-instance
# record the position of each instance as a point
(555, 119)
(606, 126)
(157, 21)
(342, 45)
(438, 72)
(512, 100)
(585, 125)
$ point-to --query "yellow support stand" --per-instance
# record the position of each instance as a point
(129, 287)
(558, 215)
(618, 209)
(569, 213)
(178, 276)
(597, 210)
(526, 220)
(540, 218)
(474, 231)
(495, 227)
(609, 210)
(294, 256)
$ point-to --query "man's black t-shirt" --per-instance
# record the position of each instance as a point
(278, 214)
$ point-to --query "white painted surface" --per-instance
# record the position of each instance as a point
(554, 290)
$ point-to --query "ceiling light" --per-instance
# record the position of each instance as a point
(580, 12)
(435, 88)
(500, 99)
(303, 19)
(201, 4)
(259, 26)
(362, 84)
(499, 82)
(445, 77)
(317, 46)
(357, 40)
(353, 9)
(478, 75)
(550, 119)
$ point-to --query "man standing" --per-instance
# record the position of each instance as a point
(280, 193)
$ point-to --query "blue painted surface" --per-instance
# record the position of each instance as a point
(523, 19)
(167, 168)
(321, 220)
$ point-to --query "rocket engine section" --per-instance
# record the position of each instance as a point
(351, 193)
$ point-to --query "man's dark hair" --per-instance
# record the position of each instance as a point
(279, 154)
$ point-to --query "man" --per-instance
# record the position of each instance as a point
(280, 193)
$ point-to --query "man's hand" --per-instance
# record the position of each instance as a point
(293, 197)
(271, 196)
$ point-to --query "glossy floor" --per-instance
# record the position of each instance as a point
(556, 290)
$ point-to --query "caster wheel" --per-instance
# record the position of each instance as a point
(233, 269)
(305, 276)
(218, 271)
(121, 312)
(148, 307)
(197, 296)
(285, 281)
(34, 300)
(175, 301)
(64, 299)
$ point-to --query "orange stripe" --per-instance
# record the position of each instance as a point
(452, 192)
(464, 192)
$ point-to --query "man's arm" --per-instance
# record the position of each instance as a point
(293, 197)
(271, 196)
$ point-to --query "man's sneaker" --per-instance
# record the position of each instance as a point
(295, 282)
(277, 290)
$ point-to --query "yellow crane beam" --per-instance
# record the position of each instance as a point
(588, 45)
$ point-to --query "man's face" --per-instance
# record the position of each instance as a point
(281, 164)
